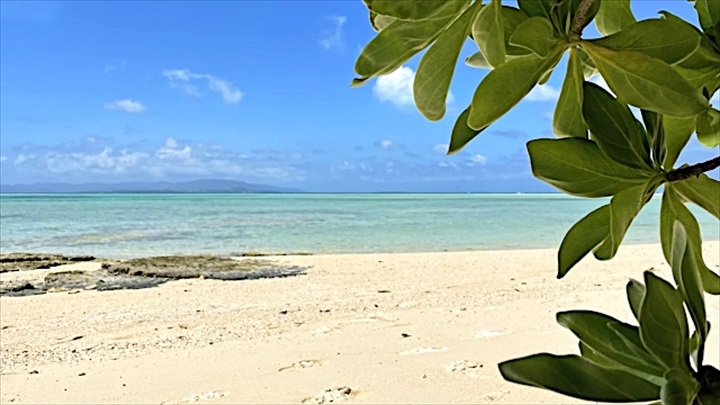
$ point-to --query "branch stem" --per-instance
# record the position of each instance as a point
(580, 18)
(692, 171)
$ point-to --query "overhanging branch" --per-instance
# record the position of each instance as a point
(692, 171)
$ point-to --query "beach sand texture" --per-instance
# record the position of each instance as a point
(370, 328)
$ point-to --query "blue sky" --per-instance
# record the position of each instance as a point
(255, 91)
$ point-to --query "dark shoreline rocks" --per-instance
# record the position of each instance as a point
(150, 272)
(37, 261)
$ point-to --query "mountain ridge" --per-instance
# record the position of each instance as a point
(193, 186)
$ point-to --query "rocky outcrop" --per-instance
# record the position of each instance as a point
(35, 261)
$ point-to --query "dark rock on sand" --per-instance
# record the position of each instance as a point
(37, 261)
(150, 272)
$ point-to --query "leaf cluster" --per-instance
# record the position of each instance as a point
(665, 68)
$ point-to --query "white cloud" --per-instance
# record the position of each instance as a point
(544, 92)
(477, 159)
(333, 38)
(183, 78)
(396, 87)
(386, 144)
(441, 148)
(171, 150)
(22, 158)
(127, 105)
(3, 158)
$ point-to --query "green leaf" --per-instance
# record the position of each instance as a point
(624, 207)
(535, 8)
(578, 167)
(614, 128)
(583, 237)
(379, 22)
(563, 12)
(613, 16)
(708, 128)
(663, 326)
(536, 34)
(703, 191)
(701, 69)
(668, 40)
(687, 278)
(656, 136)
(401, 40)
(435, 71)
(579, 378)
(708, 13)
(568, 119)
(598, 331)
(635, 293)
(506, 85)
(671, 210)
(405, 9)
(677, 135)
(461, 133)
(646, 82)
(512, 18)
(489, 33)
(680, 388)
(478, 60)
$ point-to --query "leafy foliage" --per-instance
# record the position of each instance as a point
(665, 67)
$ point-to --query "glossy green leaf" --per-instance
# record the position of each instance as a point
(512, 18)
(703, 191)
(537, 35)
(589, 68)
(578, 377)
(506, 85)
(687, 278)
(646, 82)
(656, 137)
(401, 40)
(680, 388)
(636, 293)
(583, 237)
(671, 210)
(613, 16)
(489, 33)
(405, 9)
(598, 331)
(624, 207)
(708, 128)
(536, 8)
(663, 326)
(568, 119)
(708, 13)
(664, 39)
(461, 133)
(379, 22)
(578, 167)
(614, 128)
(435, 71)
(677, 134)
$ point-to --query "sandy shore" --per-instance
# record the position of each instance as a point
(393, 328)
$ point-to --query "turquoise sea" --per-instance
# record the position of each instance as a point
(133, 225)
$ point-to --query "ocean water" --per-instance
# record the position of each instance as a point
(134, 225)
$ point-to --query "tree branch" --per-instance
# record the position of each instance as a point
(692, 171)
(580, 17)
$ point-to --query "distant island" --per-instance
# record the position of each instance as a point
(195, 186)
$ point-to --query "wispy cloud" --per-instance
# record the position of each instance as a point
(441, 148)
(3, 158)
(22, 158)
(477, 159)
(127, 105)
(184, 79)
(332, 38)
(544, 92)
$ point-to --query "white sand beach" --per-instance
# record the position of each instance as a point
(392, 328)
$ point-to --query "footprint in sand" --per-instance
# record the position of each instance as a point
(463, 365)
(422, 350)
(302, 364)
(195, 398)
(330, 395)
